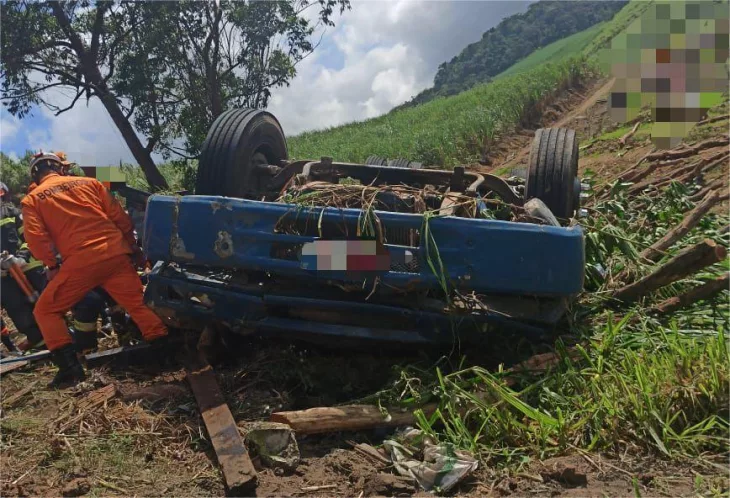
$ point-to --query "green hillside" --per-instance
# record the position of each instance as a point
(445, 131)
(451, 130)
(556, 51)
(513, 39)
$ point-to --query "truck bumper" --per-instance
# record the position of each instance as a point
(473, 255)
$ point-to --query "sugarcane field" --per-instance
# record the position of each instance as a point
(362, 248)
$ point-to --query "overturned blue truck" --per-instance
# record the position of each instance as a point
(383, 251)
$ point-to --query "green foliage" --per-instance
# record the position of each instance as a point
(658, 384)
(198, 59)
(571, 46)
(15, 174)
(652, 387)
(447, 131)
(513, 39)
(168, 68)
(180, 175)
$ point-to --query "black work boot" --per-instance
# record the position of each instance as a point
(70, 370)
(160, 351)
(86, 342)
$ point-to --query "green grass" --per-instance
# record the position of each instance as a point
(556, 51)
(662, 390)
(446, 131)
(655, 384)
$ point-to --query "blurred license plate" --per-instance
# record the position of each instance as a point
(345, 255)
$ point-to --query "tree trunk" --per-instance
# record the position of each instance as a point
(656, 250)
(94, 78)
(686, 262)
(704, 291)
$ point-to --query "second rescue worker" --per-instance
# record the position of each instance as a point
(95, 238)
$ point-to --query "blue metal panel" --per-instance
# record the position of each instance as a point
(480, 255)
(241, 309)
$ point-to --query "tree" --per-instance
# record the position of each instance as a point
(202, 58)
(169, 68)
(69, 45)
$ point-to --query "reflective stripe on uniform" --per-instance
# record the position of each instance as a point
(20, 230)
(6, 221)
(34, 263)
(24, 246)
(84, 326)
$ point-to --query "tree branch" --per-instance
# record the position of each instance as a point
(97, 29)
(73, 103)
(175, 150)
(33, 91)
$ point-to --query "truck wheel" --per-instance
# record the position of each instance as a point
(552, 173)
(376, 161)
(239, 141)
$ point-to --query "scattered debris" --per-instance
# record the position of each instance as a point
(76, 487)
(274, 443)
(630, 134)
(123, 356)
(111, 486)
(656, 251)
(308, 489)
(704, 291)
(371, 453)
(7, 367)
(84, 406)
(441, 467)
(345, 418)
(15, 397)
(690, 151)
(236, 466)
(686, 262)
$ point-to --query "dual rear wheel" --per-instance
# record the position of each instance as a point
(241, 140)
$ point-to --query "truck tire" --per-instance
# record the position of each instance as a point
(376, 161)
(552, 172)
(237, 141)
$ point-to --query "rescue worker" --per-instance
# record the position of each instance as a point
(14, 300)
(95, 239)
(87, 311)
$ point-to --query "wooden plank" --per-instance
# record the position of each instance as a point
(11, 400)
(9, 367)
(233, 458)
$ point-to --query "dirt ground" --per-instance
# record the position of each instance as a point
(148, 438)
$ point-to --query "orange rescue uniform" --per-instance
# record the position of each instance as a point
(80, 219)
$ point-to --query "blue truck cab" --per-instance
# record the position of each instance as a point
(244, 255)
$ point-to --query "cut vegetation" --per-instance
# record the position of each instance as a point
(628, 395)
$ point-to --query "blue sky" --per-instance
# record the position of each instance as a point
(380, 54)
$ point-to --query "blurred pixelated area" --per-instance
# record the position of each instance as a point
(674, 59)
(347, 255)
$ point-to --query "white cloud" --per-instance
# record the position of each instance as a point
(380, 54)
(391, 52)
(86, 134)
(9, 126)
